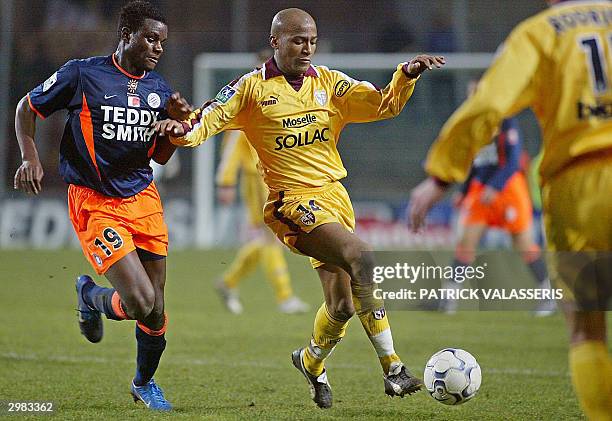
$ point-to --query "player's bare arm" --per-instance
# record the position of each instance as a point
(28, 176)
(422, 198)
(423, 62)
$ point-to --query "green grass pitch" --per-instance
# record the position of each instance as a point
(223, 367)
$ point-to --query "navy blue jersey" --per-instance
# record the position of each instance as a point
(499, 160)
(108, 139)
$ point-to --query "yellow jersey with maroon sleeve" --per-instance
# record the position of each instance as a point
(295, 133)
(559, 63)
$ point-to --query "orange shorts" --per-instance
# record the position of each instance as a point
(111, 227)
(510, 210)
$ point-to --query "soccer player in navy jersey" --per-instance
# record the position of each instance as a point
(113, 102)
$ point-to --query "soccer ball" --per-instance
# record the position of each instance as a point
(452, 376)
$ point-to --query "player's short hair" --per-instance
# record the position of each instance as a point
(134, 13)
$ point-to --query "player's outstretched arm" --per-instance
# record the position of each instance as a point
(28, 176)
(421, 63)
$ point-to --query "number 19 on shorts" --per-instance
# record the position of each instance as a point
(110, 241)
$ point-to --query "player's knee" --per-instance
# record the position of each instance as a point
(342, 309)
(141, 303)
(358, 258)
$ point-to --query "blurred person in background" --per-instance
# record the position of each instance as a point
(495, 195)
(558, 63)
(238, 157)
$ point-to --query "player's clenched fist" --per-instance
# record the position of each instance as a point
(422, 62)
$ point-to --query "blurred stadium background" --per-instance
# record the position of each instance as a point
(384, 159)
(524, 360)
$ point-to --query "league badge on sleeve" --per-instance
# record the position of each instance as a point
(225, 94)
(49, 82)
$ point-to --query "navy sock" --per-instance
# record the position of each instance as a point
(538, 268)
(150, 349)
(100, 298)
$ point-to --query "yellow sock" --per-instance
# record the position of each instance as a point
(376, 325)
(327, 333)
(245, 262)
(591, 369)
(277, 272)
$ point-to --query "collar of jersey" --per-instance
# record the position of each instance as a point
(125, 72)
(271, 70)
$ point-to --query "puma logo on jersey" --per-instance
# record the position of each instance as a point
(272, 101)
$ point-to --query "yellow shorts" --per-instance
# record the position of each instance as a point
(578, 222)
(289, 213)
(254, 193)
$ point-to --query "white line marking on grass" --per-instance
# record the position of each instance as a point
(261, 364)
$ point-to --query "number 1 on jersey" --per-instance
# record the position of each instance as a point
(597, 63)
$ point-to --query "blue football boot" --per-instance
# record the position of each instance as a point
(151, 395)
(90, 320)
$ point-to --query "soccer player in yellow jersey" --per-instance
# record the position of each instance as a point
(292, 114)
(559, 63)
(238, 157)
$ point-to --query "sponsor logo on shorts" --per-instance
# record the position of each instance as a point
(225, 94)
(379, 313)
(308, 219)
(97, 258)
(341, 87)
(511, 214)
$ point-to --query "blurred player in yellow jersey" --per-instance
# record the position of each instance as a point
(292, 114)
(559, 63)
(237, 156)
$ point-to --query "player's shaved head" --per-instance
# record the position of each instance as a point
(293, 36)
(290, 20)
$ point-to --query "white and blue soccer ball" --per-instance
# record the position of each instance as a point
(452, 376)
